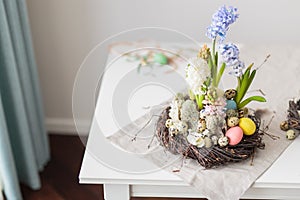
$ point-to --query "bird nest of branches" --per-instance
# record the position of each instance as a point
(293, 115)
(209, 157)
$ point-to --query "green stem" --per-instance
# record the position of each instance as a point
(211, 66)
(214, 52)
(214, 67)
(220, 74)
(199, 99)
(196, 98)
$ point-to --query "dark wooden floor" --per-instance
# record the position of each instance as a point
(59, 178)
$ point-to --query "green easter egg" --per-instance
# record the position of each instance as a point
(160, 59)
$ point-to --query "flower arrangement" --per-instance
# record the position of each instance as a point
(210, 125)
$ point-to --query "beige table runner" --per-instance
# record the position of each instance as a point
(223, 183)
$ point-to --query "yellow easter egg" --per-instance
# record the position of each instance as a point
(247, 125)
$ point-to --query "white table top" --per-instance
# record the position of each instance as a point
(98, 165)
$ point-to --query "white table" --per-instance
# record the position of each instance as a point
(280, 181)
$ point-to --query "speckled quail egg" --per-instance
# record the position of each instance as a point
(201, 125)
(291, 134)
(223, 141)
(232, 113)
(169, 123)
(284, 125)
(202, 114)
(232, 121)
(230, 93)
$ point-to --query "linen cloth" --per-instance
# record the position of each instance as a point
(222, 183)
(277, 78)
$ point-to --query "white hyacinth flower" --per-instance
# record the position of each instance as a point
(197, 73)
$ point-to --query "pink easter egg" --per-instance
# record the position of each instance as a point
(235, 135)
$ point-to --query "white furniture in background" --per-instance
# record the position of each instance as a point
(280, 181)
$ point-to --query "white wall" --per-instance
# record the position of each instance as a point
(65, 30)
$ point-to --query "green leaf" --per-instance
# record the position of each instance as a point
(248, 100)
(239, 84)
(244, 83)
(207, 82)
(250, 66)
(251, 79)
(252, 76)
(247, 71)
(213, 49)
(220, 74)
(243, 88)
(199, 99)
(210, 64)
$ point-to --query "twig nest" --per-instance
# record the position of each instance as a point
(231, 104)
(232, 121)
(292, 134)
(209, 148)
(223, 141)
(284, 125)
(247, 125)
(230, 94)
(235, 135)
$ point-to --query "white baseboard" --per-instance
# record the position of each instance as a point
(65, 126)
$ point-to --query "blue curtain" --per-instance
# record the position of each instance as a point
(24, 148)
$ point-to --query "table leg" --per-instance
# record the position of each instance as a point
(116, 192)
